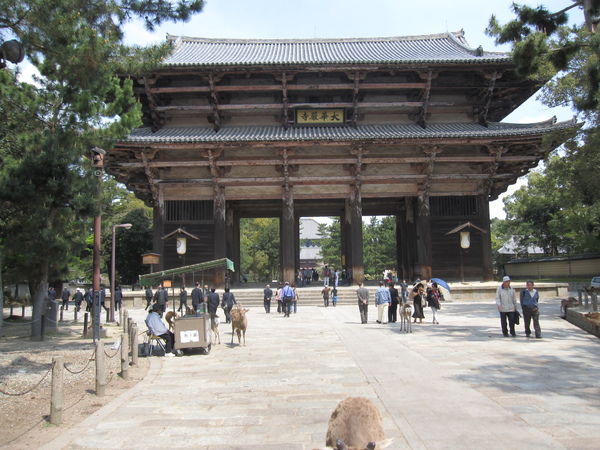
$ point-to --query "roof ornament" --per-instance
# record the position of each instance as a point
(479, 51)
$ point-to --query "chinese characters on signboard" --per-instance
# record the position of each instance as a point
(334, 116)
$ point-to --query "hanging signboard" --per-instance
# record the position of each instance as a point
(309, 116)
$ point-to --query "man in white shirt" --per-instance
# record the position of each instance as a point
(507, 306)
(158, 328)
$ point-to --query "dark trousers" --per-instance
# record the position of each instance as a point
(286, 307)
(393, 311)
(117, 306)
(183, 306)
(511, 322)
(364, 312)
(65, 304)
(326, 300)
(267, 304)
(169, 339)
(227, 310)
(528, 314)
(279, 306)
(148, 301)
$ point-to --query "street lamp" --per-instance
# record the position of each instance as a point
(11, 51)
(111, 314)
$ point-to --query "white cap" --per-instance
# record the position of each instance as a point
(506, 278)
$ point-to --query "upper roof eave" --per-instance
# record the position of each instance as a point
(442, 48)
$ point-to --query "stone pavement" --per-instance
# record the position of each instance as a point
(459, 384)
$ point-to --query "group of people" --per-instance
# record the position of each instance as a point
(79, 297)
(286, 297)
(388, 299)
(506, 300)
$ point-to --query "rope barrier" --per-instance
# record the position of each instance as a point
(29, 322)
(114, 354)
(91, 358)
(31, 389)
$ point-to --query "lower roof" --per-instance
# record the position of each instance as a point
(236, 134)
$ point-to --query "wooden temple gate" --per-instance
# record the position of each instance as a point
(349, 127)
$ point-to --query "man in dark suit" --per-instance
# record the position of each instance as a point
(212, 301)
(183, 300)
(149, 296)
(65, 298)
(161, 298)
(268, 293)
(197, 297)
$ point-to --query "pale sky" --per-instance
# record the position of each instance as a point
(272, 19)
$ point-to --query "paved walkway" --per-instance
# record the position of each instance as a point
(459, 384)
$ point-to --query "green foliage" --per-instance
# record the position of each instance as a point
(330, 235)
(379, 245)
(47, 190)
(131, 244)
(259, 248)
(559, 210)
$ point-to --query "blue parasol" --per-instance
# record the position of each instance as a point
(441, 282)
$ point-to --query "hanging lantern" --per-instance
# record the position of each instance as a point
(181, 246)
(465, 239)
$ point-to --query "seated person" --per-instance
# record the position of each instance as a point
(158, 328)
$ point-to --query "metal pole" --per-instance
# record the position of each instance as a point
(111, 316)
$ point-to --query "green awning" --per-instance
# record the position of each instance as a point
(150, 279)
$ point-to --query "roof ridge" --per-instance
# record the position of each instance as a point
(455, 36)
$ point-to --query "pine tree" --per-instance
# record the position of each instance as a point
(47, 187)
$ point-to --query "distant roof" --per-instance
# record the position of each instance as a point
(433, 48)
(390, 131)
(309, 229)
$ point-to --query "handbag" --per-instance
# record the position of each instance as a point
(517, 317)
(423, 302)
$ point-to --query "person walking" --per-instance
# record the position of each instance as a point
(51, 294)
(65, 298)
(88, 297)
(404, 288)
(433, 300)
(118, 298)
(507, 306)
(326, 275)
(393, 309)
(325, 293)
(227, 303)
(363, 302)
(267, 295)
(287, 296)
(212, 301)
(78, 298)
(529, 303)
(149, 297)
(162, 298)
(334, 295)
(183, 295)
(294, 303)
(418, 296)
(382, 300)
(197, 297)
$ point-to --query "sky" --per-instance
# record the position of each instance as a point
(273, 19)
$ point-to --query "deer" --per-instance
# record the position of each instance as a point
(405, 317)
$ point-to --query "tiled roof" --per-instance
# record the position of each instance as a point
(435, 48)
(365, 132)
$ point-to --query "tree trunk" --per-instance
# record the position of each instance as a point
(38, 288)
(1, 295)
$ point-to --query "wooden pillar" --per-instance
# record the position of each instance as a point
(297, 242)
(356, 255)
(287, 241)
(405, 230)
(486, 239)
(158, 244)
(220, 233)
(233, 242)
(424, 237)
(345, 239)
